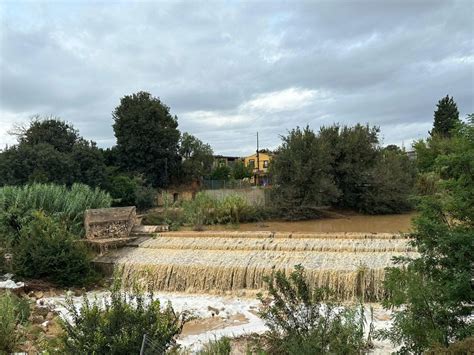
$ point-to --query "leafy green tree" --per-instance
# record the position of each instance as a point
(302, 175)
(50, 130)
(197, 158)
(50, 150)
(391, 183)
(89, 164)
(240, 171)
(221, 172)
(147, 137)
(432, 295)
(446, 117)
(22, 164)
(354, 153)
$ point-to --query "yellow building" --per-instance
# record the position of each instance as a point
(259, 164)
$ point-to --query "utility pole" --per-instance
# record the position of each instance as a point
(258, 164)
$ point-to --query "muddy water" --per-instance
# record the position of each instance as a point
(336, 224)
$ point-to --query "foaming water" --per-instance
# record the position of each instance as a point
(351, 264)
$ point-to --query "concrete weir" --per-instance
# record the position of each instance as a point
(351, 264)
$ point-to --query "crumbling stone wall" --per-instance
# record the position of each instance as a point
(114, 222)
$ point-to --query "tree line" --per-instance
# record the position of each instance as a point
(347, 167)
(150, 153)
(342, 166)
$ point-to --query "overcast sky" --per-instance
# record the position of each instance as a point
(229, 69)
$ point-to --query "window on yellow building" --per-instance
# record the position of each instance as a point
(252, 163)
(265, 163)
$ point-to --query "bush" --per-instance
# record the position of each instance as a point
(123, 189)
(300, 323)
(221, 172)
(69, 205)
(131, 191)
(46, 249)
(217, 347)
(172, 216)
(118, 326)
(14, 313)
(204, 210)
(145, 197)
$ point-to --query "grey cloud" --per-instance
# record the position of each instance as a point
(386, 63)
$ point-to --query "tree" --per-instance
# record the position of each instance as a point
(391, 183)
(50, 150)
(23, 164)
(302, 175)
(240, 171)
(354, 152)
(147, 137)
(50, 130)
(341, 166)
(432, 295)
(197, 158)
(446, 117)
(221, 172)
(90, 168)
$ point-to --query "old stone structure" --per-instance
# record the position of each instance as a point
(106, 223)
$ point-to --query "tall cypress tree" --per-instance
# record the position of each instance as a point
(445, 117)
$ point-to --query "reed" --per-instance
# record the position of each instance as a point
(232, 209)
(66, 203)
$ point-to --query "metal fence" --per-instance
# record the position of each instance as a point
(151, 347)
(225, 184)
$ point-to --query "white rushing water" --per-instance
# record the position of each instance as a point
(236, 316)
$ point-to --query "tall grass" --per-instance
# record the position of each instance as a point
(217, 347)
(205, 209)
(68, 204)
(14, 313)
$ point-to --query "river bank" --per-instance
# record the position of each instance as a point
(220, 316)
(337, 222)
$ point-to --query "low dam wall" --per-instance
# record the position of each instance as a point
(351, 264)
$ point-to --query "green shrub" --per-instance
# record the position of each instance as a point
(145, 197)
(14, 313)
(131, 191)
(205, 209)
(123, 189)
(217, 347)
(67, 204)
(46, 249)
(300, 323)
(117, 326)
(172, 216)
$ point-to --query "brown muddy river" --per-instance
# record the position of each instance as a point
(341, 222)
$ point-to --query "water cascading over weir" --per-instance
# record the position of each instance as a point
(351, 264)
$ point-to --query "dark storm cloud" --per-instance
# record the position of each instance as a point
(230, 69)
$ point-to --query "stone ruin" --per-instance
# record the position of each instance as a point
(116, 227)
(108, 223)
